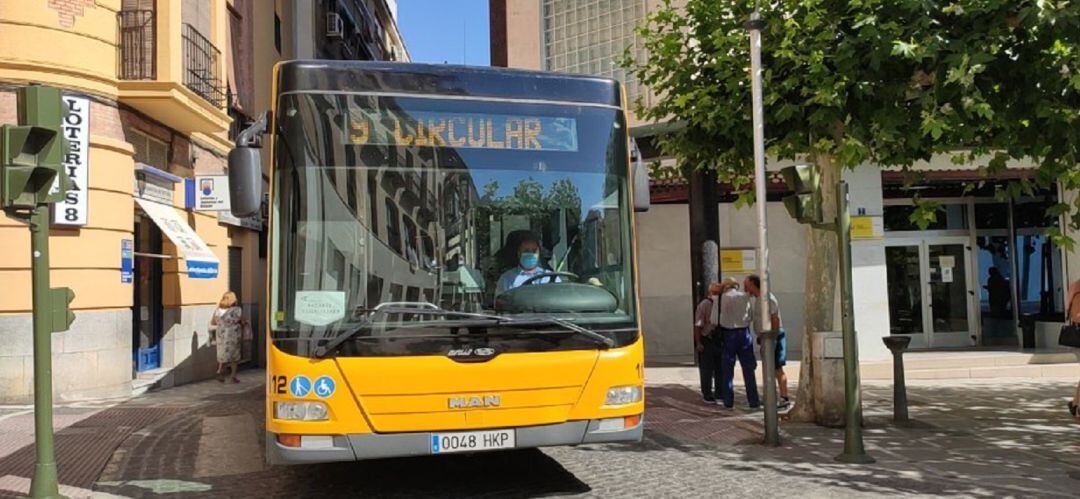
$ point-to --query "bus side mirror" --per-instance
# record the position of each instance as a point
(245, 170)
(640, 173)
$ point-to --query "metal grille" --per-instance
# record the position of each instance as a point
(201, 73)
(138, 44)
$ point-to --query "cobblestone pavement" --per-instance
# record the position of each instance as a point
(970, 438)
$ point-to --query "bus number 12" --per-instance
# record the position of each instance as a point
(278, 384)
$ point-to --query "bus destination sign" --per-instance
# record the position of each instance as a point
(461, 130)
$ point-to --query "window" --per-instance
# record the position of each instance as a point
(373, 212)
(374, 290)
(351, 185)
(991, 216)
(393, 227)
(588, 36)
(148, 150)
(949, 217)
(410, 239)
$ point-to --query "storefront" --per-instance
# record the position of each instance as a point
(155, 222)
(980, 275)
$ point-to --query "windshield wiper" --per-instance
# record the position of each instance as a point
(478, 320)
(584, 331)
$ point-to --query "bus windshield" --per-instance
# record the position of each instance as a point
(407, 221)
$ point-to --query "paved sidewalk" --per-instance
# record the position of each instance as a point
(1009, 438)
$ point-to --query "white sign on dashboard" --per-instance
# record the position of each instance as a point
(319, 308)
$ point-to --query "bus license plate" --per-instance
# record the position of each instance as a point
(470, 441)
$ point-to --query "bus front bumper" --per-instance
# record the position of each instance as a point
(383, 445)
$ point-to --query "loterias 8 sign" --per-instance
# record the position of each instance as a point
(73, 209)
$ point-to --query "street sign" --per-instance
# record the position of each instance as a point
(127, 261)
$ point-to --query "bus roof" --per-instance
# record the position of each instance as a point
(444, 79)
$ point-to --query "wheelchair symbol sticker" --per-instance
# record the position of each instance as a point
(324, 386)
(300, 386)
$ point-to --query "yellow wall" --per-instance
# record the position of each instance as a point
(79, 53)
(37, 47)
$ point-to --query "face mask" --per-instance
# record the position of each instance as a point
(529, 261)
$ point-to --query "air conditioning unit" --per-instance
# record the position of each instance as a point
(334, 27)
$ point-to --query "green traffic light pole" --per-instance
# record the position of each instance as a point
(805, 206)
(45, 482)
(854, 452)
(41, 107)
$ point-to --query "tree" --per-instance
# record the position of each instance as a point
(850, 82)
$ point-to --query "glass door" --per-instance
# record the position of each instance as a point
(930, 294)
(903, 269)
(147, 314)
(949, 293)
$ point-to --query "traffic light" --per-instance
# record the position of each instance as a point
(60, 308)
(805, 204)
(30, 161)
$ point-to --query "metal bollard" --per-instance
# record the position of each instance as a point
(897, 345)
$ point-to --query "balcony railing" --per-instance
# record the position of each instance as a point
(138, 45)
(201, 73)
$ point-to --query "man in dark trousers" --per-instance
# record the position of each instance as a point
(732, 313)
(707, 347)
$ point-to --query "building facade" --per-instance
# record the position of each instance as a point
(984, 275)
(156, 90)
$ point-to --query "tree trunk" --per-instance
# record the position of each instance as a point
(819, 305)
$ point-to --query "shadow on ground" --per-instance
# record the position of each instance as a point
(1003, 439)
(988, 439)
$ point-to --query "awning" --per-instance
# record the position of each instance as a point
(201, 262)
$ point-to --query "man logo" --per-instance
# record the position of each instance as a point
(474, 401)
(471, 352)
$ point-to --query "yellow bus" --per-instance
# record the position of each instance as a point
(451, 264)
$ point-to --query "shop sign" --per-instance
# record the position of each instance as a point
(254, 222)
(209, 193)
(738, 260)
(867, 227)
(127, 260)
(153, 188)
(73, 209)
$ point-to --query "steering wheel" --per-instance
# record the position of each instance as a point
(537, 277)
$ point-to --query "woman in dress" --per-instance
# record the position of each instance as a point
(1072, 315)
(229, 320)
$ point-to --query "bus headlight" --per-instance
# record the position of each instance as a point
(300, 411)
(622, 395)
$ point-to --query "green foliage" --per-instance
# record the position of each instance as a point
(529, 198)
(889, 82)
(925, 213)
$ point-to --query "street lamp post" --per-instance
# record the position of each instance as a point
(767, 335)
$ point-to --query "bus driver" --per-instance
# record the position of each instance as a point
(528, 266)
